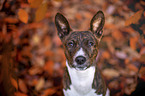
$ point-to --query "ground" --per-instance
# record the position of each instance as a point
(32, 57)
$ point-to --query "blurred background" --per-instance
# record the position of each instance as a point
(32, 57)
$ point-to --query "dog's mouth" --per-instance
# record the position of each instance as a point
(81, 68)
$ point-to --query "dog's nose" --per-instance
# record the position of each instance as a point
(80, 60)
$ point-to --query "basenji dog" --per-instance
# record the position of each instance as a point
(82, 76)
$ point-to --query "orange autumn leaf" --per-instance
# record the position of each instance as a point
(132, 67)
(106, 55)
(134, 18)
(30, 1)
(22, 86)
(142, 73)
(23, 15)
(49, 92)
(133, 42)
(49, 67)
(20, 94)
(41, 12)
(117, 35)
(14, 82)
(35, 3)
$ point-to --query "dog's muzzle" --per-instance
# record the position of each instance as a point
(80, 60)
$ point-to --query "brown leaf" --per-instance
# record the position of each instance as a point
(134, 18)
(41, 12)
(20, 94)
(133, 42)
(117, 35)
(132, 67)
(40, 84)
(49, 67)
(35, 70)
(22, 86)
(49, 92)
(142, 73)
(11, 20)
(106, 55)
(14, 82)
(110, 73)
(35, 3)
(23, 15)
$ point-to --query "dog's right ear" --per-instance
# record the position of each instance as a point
(62, 25)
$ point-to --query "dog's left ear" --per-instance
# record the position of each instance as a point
(97, 24)
(62, 25)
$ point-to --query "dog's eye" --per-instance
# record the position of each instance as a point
(90, 43)
(71, 44)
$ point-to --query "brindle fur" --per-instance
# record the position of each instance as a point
(80, 39)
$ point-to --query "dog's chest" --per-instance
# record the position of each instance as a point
(81, 82)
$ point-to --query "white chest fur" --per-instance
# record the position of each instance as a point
(81, 82)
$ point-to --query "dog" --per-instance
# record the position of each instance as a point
(82, 76)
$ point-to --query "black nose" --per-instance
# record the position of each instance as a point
(80, 60)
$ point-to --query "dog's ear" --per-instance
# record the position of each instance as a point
(62, 25)
(97, 24)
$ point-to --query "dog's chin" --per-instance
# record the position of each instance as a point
(80, 68)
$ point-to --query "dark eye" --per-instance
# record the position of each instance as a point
(71, 44)
(90, 43)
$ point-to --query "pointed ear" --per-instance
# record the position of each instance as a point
(62, 25)
(97, 24)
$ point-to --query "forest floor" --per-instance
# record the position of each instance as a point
(32, 57)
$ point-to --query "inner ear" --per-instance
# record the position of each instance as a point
(62, 25)
(97, 24)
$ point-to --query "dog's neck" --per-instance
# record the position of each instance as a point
(81, 80)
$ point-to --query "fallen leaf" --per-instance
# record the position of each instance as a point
(114, 85)
(117, 35)
(142, 73)
(40, 84)
(106, 55)
(110, 73)
(23, 15)
(132, 67)
(22, 86)
(11, 20)
(41, 12)
(49, 92)
(121, 54)
(48, 67)
(14, 82)
(35, 70)
(134, 18)
(20, 94)
(35, 3)
(133, 42)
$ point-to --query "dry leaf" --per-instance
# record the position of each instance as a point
(14, 82)
(11, 20)
(22, 86)
(41, 12)
(49, 92)
(49, 67)
(106, 55)
(117, 35)
(132, 67)
(35, 3)
(20, 94)
(133, 42)
(134, 19)
(110, 73)
(23, 15)
(35, 70)
(142, 73)
(40, 84)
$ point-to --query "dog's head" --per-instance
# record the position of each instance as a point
(81, 47)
